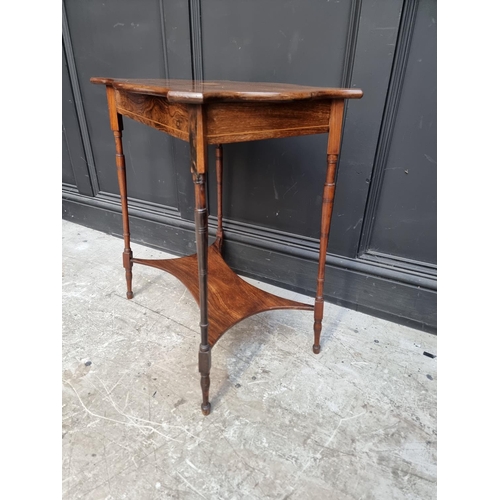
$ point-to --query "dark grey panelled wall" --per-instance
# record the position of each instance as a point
(382, 252)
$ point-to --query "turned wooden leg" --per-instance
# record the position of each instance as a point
(197, 141)
(204, 363)
(334, 135)
(218, 165)
(201, 224)
(117, 127)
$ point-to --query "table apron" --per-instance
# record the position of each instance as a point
(228, 122)
(155, 111)
(238, 122)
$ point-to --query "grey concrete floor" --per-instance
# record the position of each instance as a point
(357, 421)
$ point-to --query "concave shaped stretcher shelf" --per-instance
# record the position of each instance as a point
(230, 298)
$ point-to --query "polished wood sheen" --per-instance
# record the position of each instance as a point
(230, 298)
(222, 112)
(228, 122)
(156, 112)
(194, 92)
(244, 121)
(336, 116)
(198, 143)
(117, 127)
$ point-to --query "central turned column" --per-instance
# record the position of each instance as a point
(198, 146)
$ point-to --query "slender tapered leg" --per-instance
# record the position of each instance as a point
(117, 127)
(201, 223)
(334, 135)
(218, 165)
(197, 141)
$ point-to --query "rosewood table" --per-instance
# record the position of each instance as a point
(221, 112)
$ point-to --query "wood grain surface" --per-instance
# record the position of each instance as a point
(228, 122)
(230, 298)
(192, 92)
(333, 149)
(154, 111)
(250, 121)
(115, 121)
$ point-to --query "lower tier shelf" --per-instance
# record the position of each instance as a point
(230, 298)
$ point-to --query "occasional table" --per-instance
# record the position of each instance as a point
(222, 112)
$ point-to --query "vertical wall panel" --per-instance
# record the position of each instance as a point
(67, 169)
(177, 44)
(123, 38)
(284, 41)
(275, 183)
(74, 167)
(376, 41)
(405, 222)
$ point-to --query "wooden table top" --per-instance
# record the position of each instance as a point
(190, 91)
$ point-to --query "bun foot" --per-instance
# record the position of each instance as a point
(205, 409)
(316, 349)
(130, 295)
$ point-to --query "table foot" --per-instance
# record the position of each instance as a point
(127, 264)
(205, 409)
(205, 386)
(204, 364)
(318, 323)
